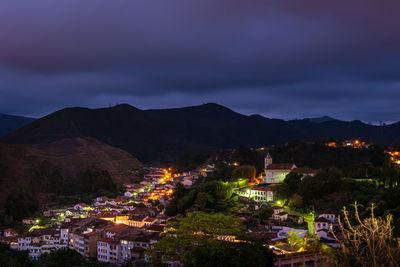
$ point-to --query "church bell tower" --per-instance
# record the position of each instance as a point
(267, 160)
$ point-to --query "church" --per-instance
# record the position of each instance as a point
(276, 172)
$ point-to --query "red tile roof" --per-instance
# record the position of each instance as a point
(117, 228)
(281, 166)
(108, 240)
(265, 189)
(90, 234)
(150, 219)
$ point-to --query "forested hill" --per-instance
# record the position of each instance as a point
(19, 163)
(164, 134)
(10, 123)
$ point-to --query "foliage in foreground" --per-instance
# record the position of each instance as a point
(203, 239)
(367, 242)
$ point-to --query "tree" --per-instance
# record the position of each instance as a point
(221, 172)
(203, 239)
(11, 258)
(324, 182)
(66, 258)
(220, 253)
(297, 200)
(264, 213)
(289, 186)
(244, 172)
(179, 190)
(222, 190)
(293, 180)
(61, 257)
(188, 162)
(390, 175)
(367, 242)
(282, 191)
(296, 243)
(93, 179)
(19, 205)
(204, 199)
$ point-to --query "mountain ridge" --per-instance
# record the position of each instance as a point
(10, 123)
(160, 135)
(321, 119)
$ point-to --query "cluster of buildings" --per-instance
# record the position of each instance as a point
(119, 230)
(394, 156)
(325, 224)
(281, 222)
(277, 231)
(93, 238)
(352, 143)
(112, 230)
(158, 184)
(274, 173)
(109, 230)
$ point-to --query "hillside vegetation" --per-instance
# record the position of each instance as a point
(19, 163)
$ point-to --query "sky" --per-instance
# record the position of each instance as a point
(280, 59)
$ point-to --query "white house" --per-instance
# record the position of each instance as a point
(258, 193)
(276, 172)
(277, 209)
(40, 241)
(281, 216)
(64, 236)
(323, 225)
(108, 250)
(187, 182)
(10, 232)
(29, 221)
(329, 215)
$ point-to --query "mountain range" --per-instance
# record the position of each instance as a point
(10, 123)
(161, 135)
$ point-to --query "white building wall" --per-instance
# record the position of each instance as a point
(103, 252)
(330, 217)
(275, 176)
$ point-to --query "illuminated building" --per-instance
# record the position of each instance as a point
(276, 172)
(259, 194)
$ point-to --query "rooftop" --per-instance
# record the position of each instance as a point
(322, 219)
(281, 166)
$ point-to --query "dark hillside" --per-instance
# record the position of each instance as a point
(162, 135)
(10, 123)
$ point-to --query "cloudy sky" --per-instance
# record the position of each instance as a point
(285, 59)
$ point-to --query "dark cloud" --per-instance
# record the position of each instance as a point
(276, 58)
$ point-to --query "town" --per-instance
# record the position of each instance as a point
(199, 133)
(120, 230)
